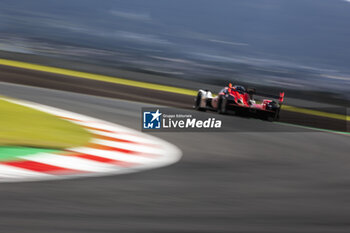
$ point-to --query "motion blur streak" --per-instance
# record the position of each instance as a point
(146, 85)
(299, 44)
(97, 77)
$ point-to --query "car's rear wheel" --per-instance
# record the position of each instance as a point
(277, 115)
(269, 118)
(273, 116)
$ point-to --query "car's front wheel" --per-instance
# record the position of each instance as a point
(222, 105)
(197, 102)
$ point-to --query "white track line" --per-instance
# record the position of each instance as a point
(11, 172)
(132, 138)
(102, 126)
(129, 146)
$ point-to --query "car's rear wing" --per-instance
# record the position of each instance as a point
(281, 99)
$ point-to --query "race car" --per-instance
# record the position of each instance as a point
(236, 99)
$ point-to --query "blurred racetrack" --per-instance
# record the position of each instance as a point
(287, 181)
(266, 177)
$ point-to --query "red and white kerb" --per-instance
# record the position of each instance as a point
(113, 149)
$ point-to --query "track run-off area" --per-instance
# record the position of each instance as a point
(113, 149)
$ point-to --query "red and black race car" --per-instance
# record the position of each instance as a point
(239, 100)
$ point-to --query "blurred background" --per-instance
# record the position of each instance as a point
(282, 179)
(299, 44)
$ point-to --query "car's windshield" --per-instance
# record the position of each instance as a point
(240, 89)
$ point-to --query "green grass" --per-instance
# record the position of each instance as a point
(12, 153)
(23, 126)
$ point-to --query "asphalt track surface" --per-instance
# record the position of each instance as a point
(288, 181)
